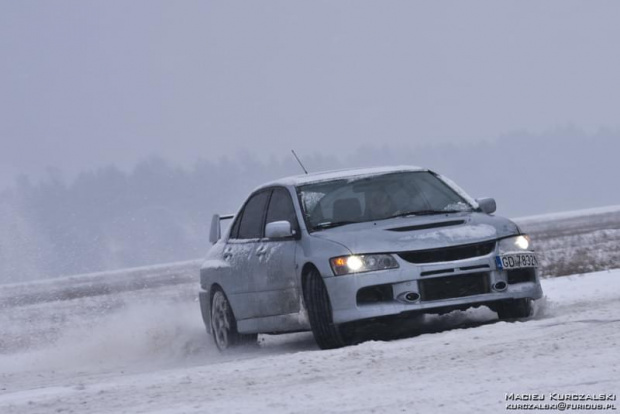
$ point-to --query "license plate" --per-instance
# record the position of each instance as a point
(516, 261)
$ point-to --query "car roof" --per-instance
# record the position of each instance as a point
(297, 180)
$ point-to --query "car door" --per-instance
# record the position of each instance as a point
(241, 253)
(276, 282)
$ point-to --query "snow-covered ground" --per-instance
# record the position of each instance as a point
(126, 353)
(574, 214)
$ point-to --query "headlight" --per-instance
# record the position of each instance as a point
(515, 244)
(344, 265)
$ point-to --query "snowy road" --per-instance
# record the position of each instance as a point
(143, 358)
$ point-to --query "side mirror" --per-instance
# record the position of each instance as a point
(487, 205)
(278, 230)
(216, 229)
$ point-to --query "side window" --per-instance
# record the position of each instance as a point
(281, 208)
(251, 223)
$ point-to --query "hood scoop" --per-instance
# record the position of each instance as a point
(429, 225)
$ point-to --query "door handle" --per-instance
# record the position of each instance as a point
(261, 251)
(227, 256)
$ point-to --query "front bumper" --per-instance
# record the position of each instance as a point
(479, 283)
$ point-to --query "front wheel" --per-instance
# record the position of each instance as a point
(514, 309)
(326, 334)
(224, 325)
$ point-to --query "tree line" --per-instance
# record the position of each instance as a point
(108, 219)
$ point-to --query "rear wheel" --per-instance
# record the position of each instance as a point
(224, 325)
(514, 309)
(326, 334)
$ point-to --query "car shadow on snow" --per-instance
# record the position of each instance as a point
(409, 326)
(385, 329)
(416, 325)
(394, 328)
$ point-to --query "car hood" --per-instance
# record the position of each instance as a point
(419, 233)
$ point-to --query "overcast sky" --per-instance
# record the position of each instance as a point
(88, 83)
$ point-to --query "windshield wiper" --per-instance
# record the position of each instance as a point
(425, 213)
(331, 224)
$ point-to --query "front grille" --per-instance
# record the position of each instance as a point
(520, 276)
(448, 254)
(454, 286)
(436, 272)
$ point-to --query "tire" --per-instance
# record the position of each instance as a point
(326, 334)
(224, 324)
(514, 309)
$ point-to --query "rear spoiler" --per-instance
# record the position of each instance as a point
(216, 229)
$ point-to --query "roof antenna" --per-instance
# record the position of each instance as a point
(299, 161)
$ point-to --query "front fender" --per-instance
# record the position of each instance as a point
(318, 251)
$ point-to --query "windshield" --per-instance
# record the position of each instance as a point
(339, 202)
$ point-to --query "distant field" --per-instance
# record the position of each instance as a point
(576, 242)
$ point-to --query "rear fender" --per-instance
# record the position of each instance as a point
(205, 308)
